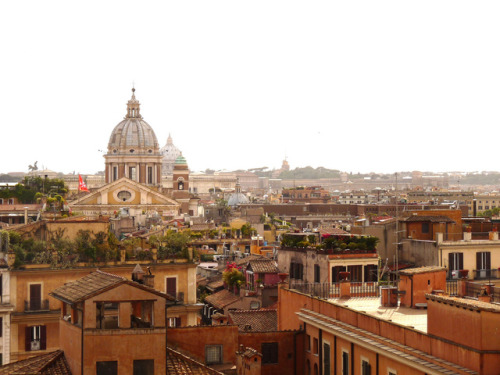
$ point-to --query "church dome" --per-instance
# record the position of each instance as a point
(133, 134)
(169, 154)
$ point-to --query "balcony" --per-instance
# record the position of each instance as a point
(36, 305)
(485, 274)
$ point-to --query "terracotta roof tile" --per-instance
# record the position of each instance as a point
(263, 265)
(263, 320)
(180, 364)
(221, 299)
(53, 363)
(96, 283)
(86, 286)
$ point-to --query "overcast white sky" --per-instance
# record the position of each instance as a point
(362, 86)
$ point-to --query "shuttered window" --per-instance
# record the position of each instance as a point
(269, 352)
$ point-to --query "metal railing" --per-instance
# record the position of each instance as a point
(485, 274)
(332, 290)
(495, 294)
(36, 306)
(452, 287)
(472, 289)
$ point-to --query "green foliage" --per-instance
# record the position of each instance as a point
(495, 211)
(233, 277)
(246, 230)
(32, 189)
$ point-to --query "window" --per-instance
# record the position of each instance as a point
(144, 367)
(174, 322)
(35, 297)
(345, 363)
(171, 286)
(213, 354)
(326, 359)
(269, 352)
(316, 273)
(425, 227)
(455, 262)
(115, 173)
(1, 329)
(107, 368)
(308, 343)
(124, 195)
(150, 175)
(356, 273)
(366, 368)
(107, 315)
(483, 264)
(35, 338)
(315, 345)
(296, 271)
(11, 200)
(335, 273)
(132, 174)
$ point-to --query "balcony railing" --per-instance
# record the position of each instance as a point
(485, 274)
(332, 290)
(36, 306)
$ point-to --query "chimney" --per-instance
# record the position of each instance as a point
(138, 274)
(467, 236)
(149, 278)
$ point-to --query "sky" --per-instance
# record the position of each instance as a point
(358, 86)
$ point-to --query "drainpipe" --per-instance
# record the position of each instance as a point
(83, 320)
(411, 279)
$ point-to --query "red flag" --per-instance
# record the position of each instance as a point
(81, 184)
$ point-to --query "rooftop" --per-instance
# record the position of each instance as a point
(53, 363)
(418, 270)
(264, 320)
(221, 299)
(405, 316)
(181, 364)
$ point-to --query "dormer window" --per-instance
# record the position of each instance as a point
(132, 151)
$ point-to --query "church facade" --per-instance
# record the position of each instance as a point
(133, 175)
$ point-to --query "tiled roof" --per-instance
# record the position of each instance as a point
(264, 266)
(179, 364)
(87, 286)
(244, 261)
(433, 219)
(215, 284)
(414, 271)
(264, 320)
(96, 283)
(53, 363)
(250, 352)
(221, 299)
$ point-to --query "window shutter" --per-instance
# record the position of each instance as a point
(171, 286)
(488, 260)
(178, 322)
(451, 261)
(43, 337)
(27, 339)
(461, 261)
(479, 264)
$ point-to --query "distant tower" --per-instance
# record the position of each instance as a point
(169, 154)
(180, 180)
(133, 149)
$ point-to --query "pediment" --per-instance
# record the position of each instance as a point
(124, 192)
